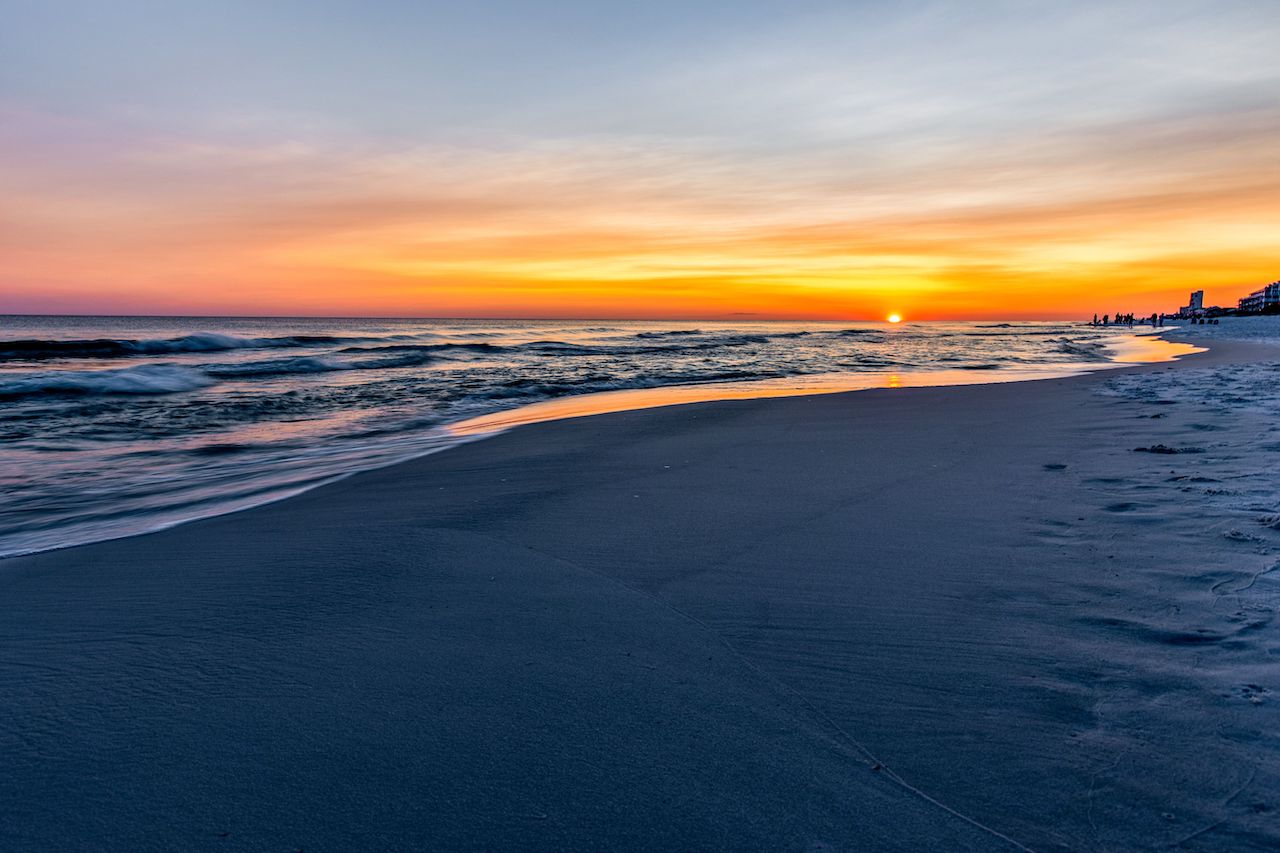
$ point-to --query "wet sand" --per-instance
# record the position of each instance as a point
(936, 618)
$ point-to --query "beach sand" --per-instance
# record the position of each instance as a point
(967, 618)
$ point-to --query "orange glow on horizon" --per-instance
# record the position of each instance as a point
(386, 238)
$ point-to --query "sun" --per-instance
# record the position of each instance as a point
(894, 318)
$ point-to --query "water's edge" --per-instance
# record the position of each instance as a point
(1134, 351)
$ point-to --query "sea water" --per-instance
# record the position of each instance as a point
(111, 426)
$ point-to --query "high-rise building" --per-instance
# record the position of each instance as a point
(1195, 307)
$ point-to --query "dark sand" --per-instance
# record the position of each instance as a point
(887, 620)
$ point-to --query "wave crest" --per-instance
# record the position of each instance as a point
(38, 350)
(145, 379)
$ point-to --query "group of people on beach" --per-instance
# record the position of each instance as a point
(1156, 320)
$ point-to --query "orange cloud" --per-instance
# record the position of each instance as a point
(1063, 226)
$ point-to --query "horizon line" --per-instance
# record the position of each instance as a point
(549, 319)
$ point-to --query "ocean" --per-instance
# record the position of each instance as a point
(112, 426)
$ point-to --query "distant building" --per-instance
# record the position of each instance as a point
(1265, 300)
(1195, 307)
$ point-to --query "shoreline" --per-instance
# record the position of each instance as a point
(1132, 350)
(636, 629)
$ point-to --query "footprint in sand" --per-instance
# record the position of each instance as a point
(1252, 693)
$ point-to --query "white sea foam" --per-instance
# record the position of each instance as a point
(143, 379)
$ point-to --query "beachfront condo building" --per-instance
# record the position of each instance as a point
(1264, 300)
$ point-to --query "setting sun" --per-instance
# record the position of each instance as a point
(894, 318)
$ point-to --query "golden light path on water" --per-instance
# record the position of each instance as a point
(1138, 349)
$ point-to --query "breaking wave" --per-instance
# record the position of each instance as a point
(144, 379)
(1085, 349)
(36, 349)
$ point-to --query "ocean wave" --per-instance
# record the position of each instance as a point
(862, 362)
(277, 367)
(789, 335)
(175, 378)
(1088, 349)
(219, 448)
(389, 357)
(563, 347)
(658, 348)
(37, 349)
(556, 348)
(164, 378)
(392, 362)
(144, 379)
(407, 348)
(541, 388)
(865, 335)
(1017, 333)
(674, 333)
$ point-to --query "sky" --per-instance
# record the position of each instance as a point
(695, 159)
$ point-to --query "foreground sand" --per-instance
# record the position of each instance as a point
(919, 619)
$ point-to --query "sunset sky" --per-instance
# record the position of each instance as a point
(664, 159)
